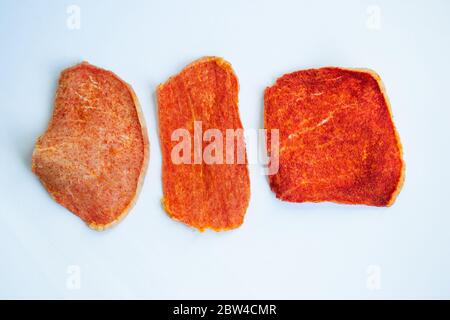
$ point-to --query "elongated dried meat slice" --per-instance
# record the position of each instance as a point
(93, 156)
(202, 195)
(337, 139)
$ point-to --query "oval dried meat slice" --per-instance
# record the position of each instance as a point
(203, 195)
(337, 138)
(93, 156)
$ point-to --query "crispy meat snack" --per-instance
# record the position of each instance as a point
(93, 156)
(338, 142)
(201, 194)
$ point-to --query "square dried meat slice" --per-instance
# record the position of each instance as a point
(337, 138)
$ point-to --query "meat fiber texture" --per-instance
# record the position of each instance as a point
(337, 138)
(213, 196)
(93, 156)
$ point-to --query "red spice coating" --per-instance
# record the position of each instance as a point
(93, 156)
(337, 139)
(203, 195)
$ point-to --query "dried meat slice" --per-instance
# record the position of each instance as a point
(338, 141)
(93, 156)
(202, 195)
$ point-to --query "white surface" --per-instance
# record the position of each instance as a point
(283, 250)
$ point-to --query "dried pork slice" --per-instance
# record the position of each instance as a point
(338, 141)
(93, 156)
(202, 195)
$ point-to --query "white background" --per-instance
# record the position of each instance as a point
(283, 250)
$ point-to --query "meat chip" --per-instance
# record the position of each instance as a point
(93, 156)
(337, 138)
(202, 195)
